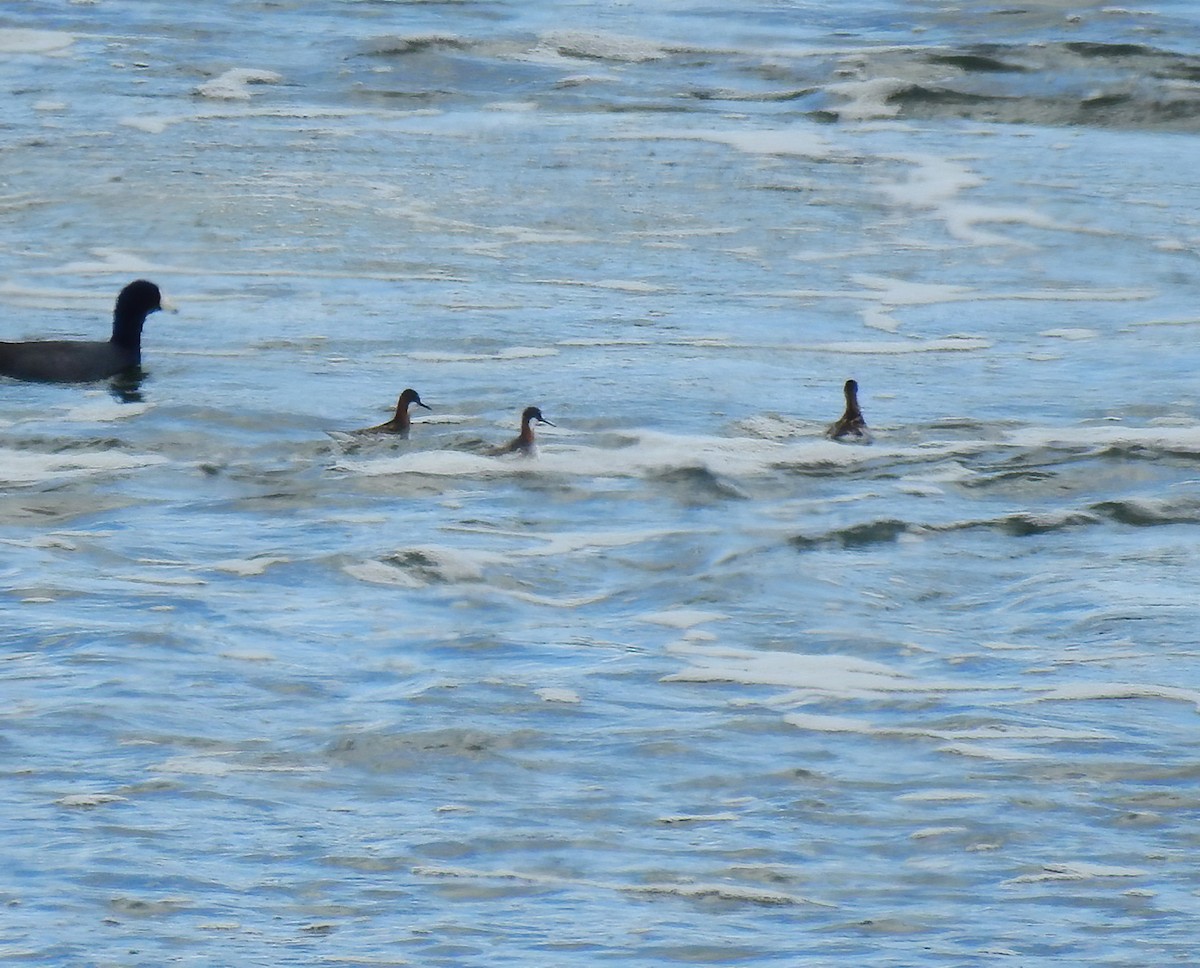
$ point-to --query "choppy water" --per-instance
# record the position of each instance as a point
(695, 685)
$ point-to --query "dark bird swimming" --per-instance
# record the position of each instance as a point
(401, 422)
(851, 422)
(82, 361)
(524, 442)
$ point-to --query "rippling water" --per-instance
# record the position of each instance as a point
(694, 685)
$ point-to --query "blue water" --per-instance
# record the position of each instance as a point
(694, 685)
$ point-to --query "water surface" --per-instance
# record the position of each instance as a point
(695, 685)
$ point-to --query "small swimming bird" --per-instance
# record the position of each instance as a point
(851, 423)
(400, 423)
(80, 361)
(524, 442)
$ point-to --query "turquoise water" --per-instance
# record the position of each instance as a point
(694, 685)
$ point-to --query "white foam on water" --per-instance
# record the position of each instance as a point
(575, 541)
(1179, 439)
(936, 183)
(558, 694)
(164, 580)
(683, 618)
(932, 181)
(421, 565)
(585, 80)
(832, 675)
(800, 141)
(512, 106)
(53, 541)
(929, 833)
(892, 294)
(88, 800)
(881, 320)
(434, 463)
(246, 567)
(904, 292)
(106, 411)
(1078, 871)
(28, 467)
(381, 573)
(451, 565)
(830, 724)
(650, 453)
(221, 763)
(526, 235)
(965, 741)
(234, 84)
(994, 753)
(18, 40)
(941, 796)
(578, 601)
(116, 262)
(1068, 333)
(704, 891)
(867, 100)
(963, 221)
(1071, 294)
(602, 45)
(248, 656)
(656, 452)
(950, 344)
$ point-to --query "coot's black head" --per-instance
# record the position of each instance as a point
(140, 298)
(136, 301)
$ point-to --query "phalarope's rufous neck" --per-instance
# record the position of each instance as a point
(524, 442)
(400, 423)
(851, 423)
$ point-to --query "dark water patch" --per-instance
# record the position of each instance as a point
(916, 94)
(415, 44)
(422, 96)
(975, 63)
(136, 907)
(54, 504)
(393, 752)
(1125, 109)
(697, 486)
(1014, 475)
(1147, 513)
(1019, 524)
(1026, 524)
(426, 568)
(1088, 49)
(60, 445)
(1123, 451)
(639, 107)
(1092, 84)
(764, 97)
(586, 46)
(856, 536)
(1103, 101)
